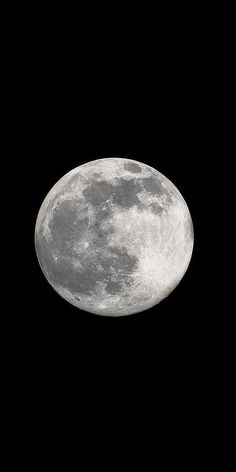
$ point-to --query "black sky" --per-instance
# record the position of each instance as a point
(154, 109)
(165, 130)
(149, 86)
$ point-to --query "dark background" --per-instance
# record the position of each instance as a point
(118, 112)
(145, 89)
(169, 134)
(153, 101)
(125, 81)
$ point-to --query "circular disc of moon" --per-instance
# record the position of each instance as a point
(114, 237)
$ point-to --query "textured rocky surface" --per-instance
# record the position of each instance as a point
(114, 237)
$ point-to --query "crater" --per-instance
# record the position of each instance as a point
(80, 281)
(73, 180)
(103, 213)
(155, 208)
(132, 167)
(98, 192)
(65, 226)
(153, 185)
(97, 175)
(113, 266)
(189, 229)
(125, 193)
(113, 287)
(114, 269)
(44, 253)
(125, 262)
(102, 227)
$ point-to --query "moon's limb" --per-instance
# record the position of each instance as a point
(114, 237)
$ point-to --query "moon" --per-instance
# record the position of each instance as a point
(114, 237)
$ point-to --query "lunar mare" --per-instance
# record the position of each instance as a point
(114, 237)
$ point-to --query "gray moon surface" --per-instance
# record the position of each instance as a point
(114, 237)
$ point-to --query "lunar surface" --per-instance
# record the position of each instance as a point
(114, 237)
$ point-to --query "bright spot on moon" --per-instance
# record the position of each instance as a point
(114, 237)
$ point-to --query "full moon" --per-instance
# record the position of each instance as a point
(114, 237)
